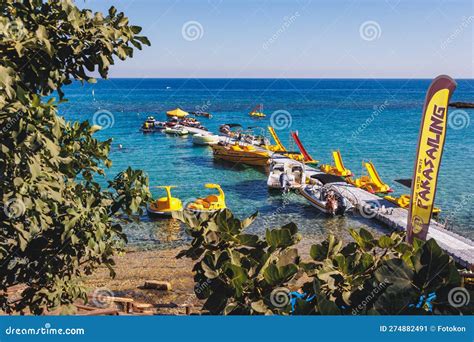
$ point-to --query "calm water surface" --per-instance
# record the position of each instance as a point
(374, 120)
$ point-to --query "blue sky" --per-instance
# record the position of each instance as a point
(299, 38)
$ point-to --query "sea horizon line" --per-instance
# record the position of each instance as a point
(281, 78)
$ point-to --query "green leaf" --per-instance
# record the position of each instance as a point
(249, 220)
(259, 306)
(282, 237)
(41, 32)
(135, 29)
(363, 238)
(326, 249)
(275, 275)
(397, 273)
(327, 307)
(385, 242)
(238, 277)
(112, 11)
(143, 40)
(215, 303)
(248, 240)
(209, 272)
(436, 269)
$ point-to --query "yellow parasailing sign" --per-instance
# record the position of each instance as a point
(428, 158)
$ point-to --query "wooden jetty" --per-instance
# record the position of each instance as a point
(460, 248)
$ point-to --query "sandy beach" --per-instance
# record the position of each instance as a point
(134, 267)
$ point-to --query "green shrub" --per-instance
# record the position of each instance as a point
(380, 275)
(370, 276)
(241, 269)
(57, 223)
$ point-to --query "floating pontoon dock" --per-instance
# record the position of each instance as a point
(460, 248)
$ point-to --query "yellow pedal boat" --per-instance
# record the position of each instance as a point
(338, 169)
(404, 201)
(245, 154)
(257, 111)
(371, 182)
(165, 206)
(210, 203)
(280, 148)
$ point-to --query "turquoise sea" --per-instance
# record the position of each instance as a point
(366, 119)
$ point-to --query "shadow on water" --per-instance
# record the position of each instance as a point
(199, 161)
(248, 190)
(227, 165)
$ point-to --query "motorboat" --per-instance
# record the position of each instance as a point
(205, 139)
(254, 135)
(240, 153)
(325, 193)
(256, 140)
(152, 125)
(210, 203)
(173, 121)
(203, 114)
(286, 174)
(231, 130)
(176, 130)
(165, 206)
(248, 136)
(192, 122)
(150, 120)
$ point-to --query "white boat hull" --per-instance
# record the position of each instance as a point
(200, 139)
(176, 131)
(318, 204)
(284, 176)
(343, 204)
(273, 182)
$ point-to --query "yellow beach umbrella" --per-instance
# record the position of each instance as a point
(177, 112)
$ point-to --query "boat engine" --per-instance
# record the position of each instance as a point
(285, 182)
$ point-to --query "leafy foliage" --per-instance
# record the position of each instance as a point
(57, 223)
(380, 276)
(46, 45)
(241, 269)
(367, 276)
